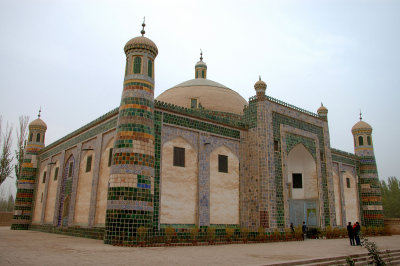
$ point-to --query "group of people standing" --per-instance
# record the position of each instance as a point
(354, 233)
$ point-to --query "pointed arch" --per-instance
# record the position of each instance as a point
(66, 187)
(178, 199)
(224, 186)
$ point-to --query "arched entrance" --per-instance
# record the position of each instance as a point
(303, 187)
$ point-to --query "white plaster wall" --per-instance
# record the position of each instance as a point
(39, 190)
(82, 203)
(336, 188)
(350, 198)
(224, 189)
(178, 185)
(102, 186)
(51, 194)
(301, 161)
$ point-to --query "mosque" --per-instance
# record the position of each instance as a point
(197, 155)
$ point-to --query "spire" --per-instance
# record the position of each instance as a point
(322, 104)
(201, 55)
(143, 25)
(40, 110)
(360, 115)
(259, 77)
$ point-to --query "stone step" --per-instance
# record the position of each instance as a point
(360, 259)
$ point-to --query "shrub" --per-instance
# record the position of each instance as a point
(229, 233)
(211, 234)
(244, 233)
(261, 233)
(142, 234)
(194, 232)
(169, 233)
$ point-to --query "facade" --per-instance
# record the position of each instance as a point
(198, 155)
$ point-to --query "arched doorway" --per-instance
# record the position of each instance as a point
(303, 187)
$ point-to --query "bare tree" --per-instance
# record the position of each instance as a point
(22, 132)
(6, 166)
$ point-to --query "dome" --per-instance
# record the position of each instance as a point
(141, 42)
(361, 125)
(260, 83)
(210, 94)
(201, 64)
(322, 109)
(38, 123)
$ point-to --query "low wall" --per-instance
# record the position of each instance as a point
(95, 232)
(6, 218)
(392, 225)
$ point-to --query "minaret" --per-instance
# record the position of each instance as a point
(131, 184)
(371, 199)
(200, 68)
(26, 184)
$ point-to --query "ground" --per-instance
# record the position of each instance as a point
(37, 248)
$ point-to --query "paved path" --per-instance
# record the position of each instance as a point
(37, 248)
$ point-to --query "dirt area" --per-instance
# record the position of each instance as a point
(37, 248)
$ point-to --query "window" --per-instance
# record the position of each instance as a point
(297, 180)
(41, 198)
(348, 182)
(179, 156)
(110, 157)
(193, 103)
(197, 74)
(38, 137)
(276, 145)
(89, 163)
(137, 65)
(126, 67)
(222, 163)
(44, 177)
(202, 73)
(360, 141)
(56, 174)
(150, 68)
(31, 137)
(322, 156)
(369, 142)
(70, 169)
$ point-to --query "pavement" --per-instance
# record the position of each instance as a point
(37, 248)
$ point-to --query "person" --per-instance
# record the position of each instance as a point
(357, 230)
(292, 228)
(350, 232)
(304, 229)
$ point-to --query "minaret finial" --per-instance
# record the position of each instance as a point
(201, 55)
(360, 115)
(40, 110)
(143, 25)
(259, 77)
(322, 104)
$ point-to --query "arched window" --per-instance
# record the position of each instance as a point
(369, 140)
(126, 67)
(30, 137)
(360, 141)
(150, 68)
(137, 65)
(202, 73)
(38, 137)
(197, 74)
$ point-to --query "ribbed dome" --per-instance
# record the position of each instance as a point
(361, 125)
(38, 123)
(201, 64)
(322, 109)
(141, 42)
(260, 83)
(210, 94)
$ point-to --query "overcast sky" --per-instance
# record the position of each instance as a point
(67, 57)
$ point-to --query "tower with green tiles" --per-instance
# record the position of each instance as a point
(130, 201)
(370, 193)
(23, 209)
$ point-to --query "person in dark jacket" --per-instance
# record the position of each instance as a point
(350, 232)
(357, 230)
(304, 229)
